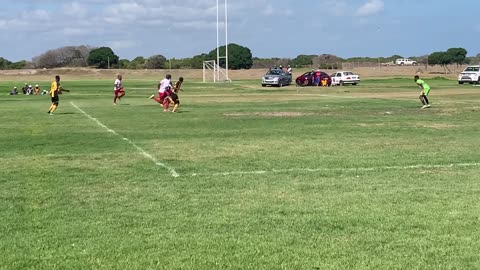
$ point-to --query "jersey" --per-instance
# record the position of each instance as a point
(177, 87)
(164, 85)
(54, 88)
(425, 86)
(117, 85)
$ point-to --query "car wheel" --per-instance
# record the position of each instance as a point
(354, 83)
(263, 85)
(460, 82)
(298, 82)
(342, 83)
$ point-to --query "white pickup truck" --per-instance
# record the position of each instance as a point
(470, 75)
(405, 61)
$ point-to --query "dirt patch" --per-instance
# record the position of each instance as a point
(437, 126)
(270, 114)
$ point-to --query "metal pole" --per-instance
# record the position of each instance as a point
(226, 40)
(218, 41)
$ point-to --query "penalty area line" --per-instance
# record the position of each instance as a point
(139, 149)
(360, 169)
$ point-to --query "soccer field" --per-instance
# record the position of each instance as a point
(243, 177)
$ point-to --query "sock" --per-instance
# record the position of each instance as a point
(175, 107)
(426, 100)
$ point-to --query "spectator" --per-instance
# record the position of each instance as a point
(14, 91)
(317, 77)
(29, 90)
(36, 90)
(24, 88)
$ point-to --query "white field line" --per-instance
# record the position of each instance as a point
(139, 149)
(360, 169)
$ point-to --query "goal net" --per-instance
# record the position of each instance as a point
(212, 72)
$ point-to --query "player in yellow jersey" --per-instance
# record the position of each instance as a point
(176, 88)
(55, 90)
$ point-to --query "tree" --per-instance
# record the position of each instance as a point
(197, 61)
(102, 57)
(137, 63)
(458, 55)
(441, 58)
(303, 61)
(123, 63)
(4, 63)
(156, 62)
(72, 56)
(239, 57)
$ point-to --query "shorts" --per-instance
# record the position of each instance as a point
(55, 99)
(425, 92)
(174, 96)
(119, 91)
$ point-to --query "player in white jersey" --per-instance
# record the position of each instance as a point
(164, 92)
(118, 89)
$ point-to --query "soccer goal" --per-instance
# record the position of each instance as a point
(212, 72)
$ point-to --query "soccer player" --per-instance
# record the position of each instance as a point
(164, 92)
(424, 93)
(176, 88)
(54, 91)
(118, 89)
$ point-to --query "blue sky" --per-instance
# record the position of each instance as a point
(270, 28)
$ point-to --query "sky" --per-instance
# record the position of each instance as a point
(270, 28)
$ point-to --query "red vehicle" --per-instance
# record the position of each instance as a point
(308, 78)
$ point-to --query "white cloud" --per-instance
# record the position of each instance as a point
(371, 7)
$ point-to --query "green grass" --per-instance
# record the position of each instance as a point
(336, 185)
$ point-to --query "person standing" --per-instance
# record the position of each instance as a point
(54, 91)
(424, 93)
(119, 92)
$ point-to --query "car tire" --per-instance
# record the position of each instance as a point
(355, 83)
(264, 85)
(460, 82)
(342, 83)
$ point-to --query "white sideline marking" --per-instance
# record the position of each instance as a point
(143, 152)
(361, 169)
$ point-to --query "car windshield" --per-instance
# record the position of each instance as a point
(274, 72)
(474, 69)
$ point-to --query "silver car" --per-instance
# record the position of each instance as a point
(276, 77)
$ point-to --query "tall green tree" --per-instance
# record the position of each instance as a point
(102, 57)
(239, 57)
(156, 62)
(458, 55)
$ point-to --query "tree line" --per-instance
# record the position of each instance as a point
(240, 57)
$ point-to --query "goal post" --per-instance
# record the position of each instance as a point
(212, 72)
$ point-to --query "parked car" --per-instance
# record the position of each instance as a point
(345, 77)
(276, 77)
(308, 78)
(406, 62)
(470, 75)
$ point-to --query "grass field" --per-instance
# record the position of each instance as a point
(243, 177)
